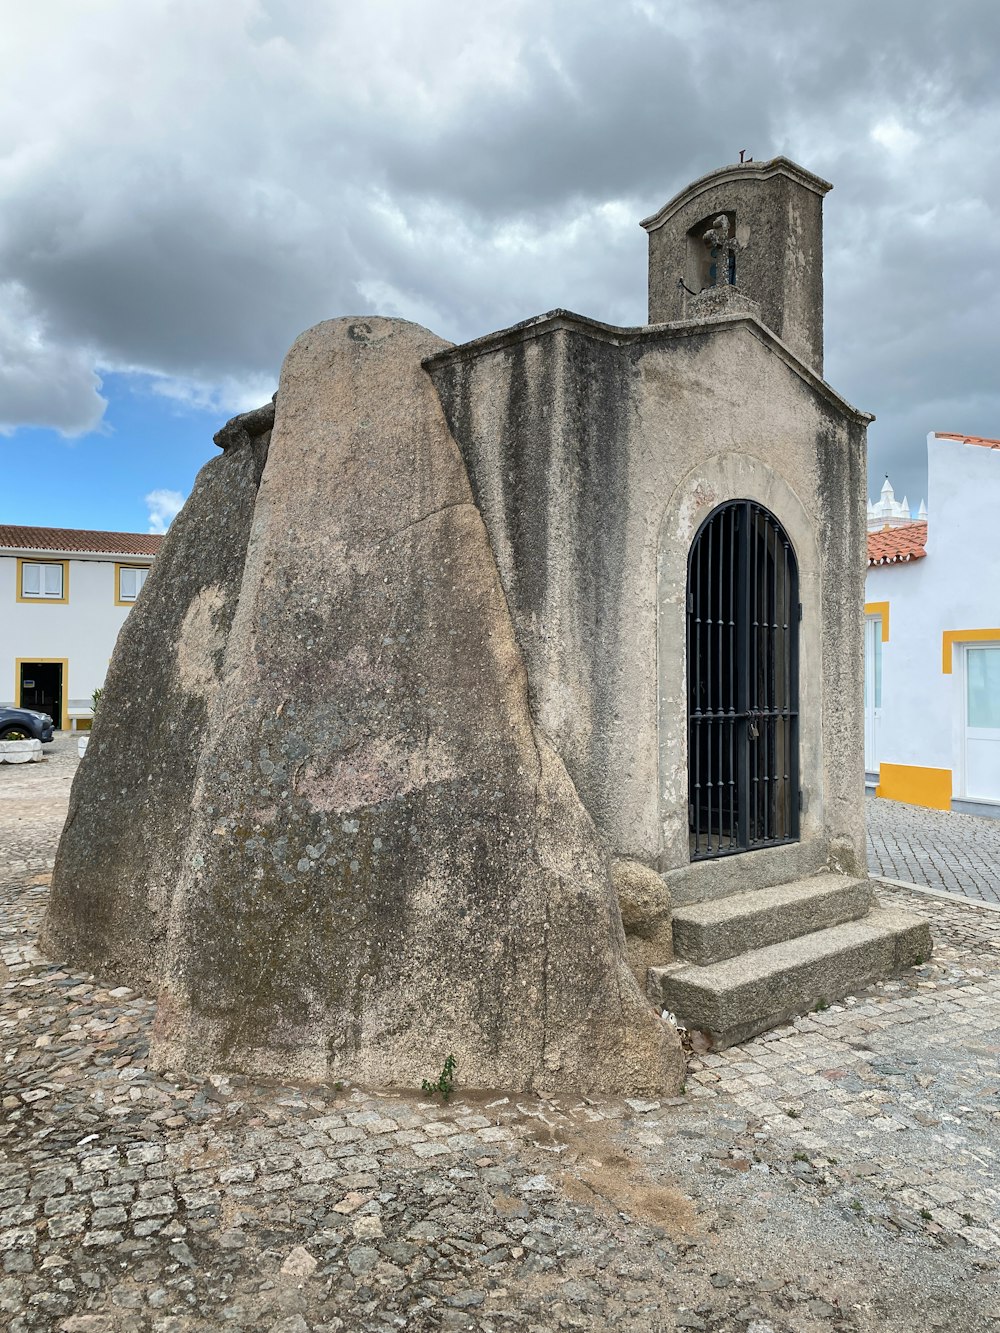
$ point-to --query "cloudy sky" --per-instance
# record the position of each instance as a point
(187, 185)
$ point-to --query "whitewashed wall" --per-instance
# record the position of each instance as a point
(957, 586)
(83, 630)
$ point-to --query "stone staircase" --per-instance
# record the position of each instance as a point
(747, 962)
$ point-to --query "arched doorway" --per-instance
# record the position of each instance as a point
(742, 670)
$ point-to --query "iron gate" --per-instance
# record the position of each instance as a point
(742, 659)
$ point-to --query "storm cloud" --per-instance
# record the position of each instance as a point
(188, 186)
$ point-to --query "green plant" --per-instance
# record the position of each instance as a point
(791, 1112)
(820, 1006)
(800, 1157)
(445, 1084)
(925, 1215)
(95, 698)
(856, 1206)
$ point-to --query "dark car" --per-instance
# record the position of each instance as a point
(22, 724)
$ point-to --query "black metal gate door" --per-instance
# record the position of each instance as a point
(742, 661)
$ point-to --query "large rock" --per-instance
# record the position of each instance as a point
(385, 864)
(644, 902)
(121, 847)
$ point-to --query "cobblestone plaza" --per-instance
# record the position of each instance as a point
(937, 849)
(838, 1173)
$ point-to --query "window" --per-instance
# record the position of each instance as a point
(983, 687)
(876, 633)
(42, 582)
(130, 581)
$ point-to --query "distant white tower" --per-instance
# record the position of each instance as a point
(892, 513)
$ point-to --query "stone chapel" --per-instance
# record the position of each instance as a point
(497, 699)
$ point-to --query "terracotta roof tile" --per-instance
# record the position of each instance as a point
(968, 439)
(892, 546)
(79, 539)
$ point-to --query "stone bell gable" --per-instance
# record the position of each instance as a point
(774, 250)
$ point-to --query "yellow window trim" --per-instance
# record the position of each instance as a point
(50, 601)
(64, 663)
(880, 609)
(128, 601)
(951, 636)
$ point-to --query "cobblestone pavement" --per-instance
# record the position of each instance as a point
(840, 1173)
(937, 848)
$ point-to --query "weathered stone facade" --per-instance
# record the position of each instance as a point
(418, 784)
(594, 454)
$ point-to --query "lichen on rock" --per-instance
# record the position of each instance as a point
(383, 861)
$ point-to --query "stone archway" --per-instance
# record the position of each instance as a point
(742, 683)
(720, 479)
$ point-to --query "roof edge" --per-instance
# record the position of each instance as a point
(984, 440)
(554, 321)
(61, 554)
(41, 538)
(906, 542)
(880, 562)
(761, 171)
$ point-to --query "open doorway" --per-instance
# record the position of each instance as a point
(41, 686)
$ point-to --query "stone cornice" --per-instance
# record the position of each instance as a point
(739, 171)
(555, 321)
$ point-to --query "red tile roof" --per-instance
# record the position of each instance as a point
(968, 439)
(79, 539)
(892, 546)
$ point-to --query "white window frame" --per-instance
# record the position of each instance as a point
(874, 627)
(121, 597)
(961, 713)
(42, 595)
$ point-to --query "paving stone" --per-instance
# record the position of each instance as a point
(846, 1158)
(938, 849)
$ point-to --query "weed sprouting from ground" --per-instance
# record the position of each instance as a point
(445, 1084)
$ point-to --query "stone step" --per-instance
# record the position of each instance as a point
(711, 932)
(736, 999)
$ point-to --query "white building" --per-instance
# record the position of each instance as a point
(932, 641)
(65, 594)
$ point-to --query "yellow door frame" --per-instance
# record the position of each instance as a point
(58, 661)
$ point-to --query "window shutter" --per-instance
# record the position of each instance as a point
(53, 580)
(128, 589)
(31, 580)
(140, 579)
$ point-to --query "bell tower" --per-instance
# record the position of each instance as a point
(756, 227)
